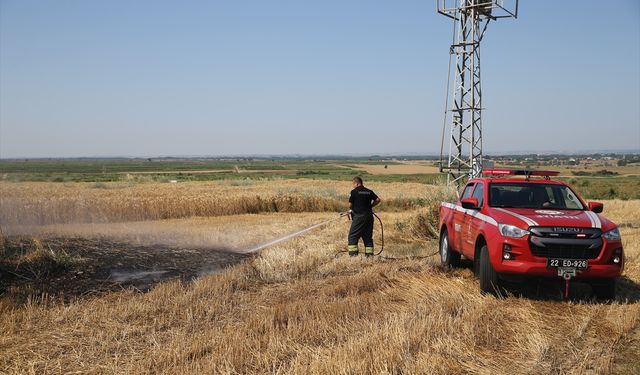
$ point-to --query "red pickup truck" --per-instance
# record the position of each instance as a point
(514, 228)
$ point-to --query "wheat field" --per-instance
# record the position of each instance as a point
(35, 203)
(297, 308)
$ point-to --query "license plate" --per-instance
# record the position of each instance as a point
(580, 264)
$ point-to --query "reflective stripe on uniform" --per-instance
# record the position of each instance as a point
(368, 250)
(353, 247)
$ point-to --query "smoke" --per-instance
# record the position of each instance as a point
(244, 234)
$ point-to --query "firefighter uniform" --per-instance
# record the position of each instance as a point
(362, 219)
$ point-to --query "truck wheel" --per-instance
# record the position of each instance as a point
(487, 275)
(604, 289)
(448, 256)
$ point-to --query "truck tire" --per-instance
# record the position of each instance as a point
(604, 289)
(448, 257)
(489, 283)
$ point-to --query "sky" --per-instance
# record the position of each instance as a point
(252, 77)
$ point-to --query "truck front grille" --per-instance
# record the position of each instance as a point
(565, 242)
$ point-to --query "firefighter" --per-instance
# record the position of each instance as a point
(361, 202)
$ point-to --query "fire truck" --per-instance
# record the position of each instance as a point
(519, 224)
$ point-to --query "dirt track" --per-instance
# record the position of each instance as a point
(98, 265)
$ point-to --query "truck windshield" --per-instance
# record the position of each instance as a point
(528, 195)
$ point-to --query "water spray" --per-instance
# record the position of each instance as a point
(295, 234)
(314, 226)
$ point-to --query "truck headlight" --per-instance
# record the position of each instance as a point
(512, 231)
(612, 235)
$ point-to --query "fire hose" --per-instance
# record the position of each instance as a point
(305, 230)
(340, 215)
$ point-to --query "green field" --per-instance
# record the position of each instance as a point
(590, 185)
(141, 170)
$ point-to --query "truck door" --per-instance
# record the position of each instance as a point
(459, 219)
(472, 224)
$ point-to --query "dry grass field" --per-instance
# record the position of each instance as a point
(598, 165)
(296, 307)
(407, 167)
(38, 203)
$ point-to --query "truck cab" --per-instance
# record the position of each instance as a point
(521, 223)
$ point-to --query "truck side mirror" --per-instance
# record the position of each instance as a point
(470, 203)
(596, 207)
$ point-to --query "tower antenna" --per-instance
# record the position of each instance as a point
(470, 18)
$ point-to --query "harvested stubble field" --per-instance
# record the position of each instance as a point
(296, 307)
(399, 168)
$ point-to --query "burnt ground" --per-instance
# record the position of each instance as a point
(70, 268)
(66, 269)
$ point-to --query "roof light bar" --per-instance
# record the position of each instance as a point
(518, 172)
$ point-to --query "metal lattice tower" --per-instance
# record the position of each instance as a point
(470, 19)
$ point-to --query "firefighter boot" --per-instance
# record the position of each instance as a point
(368, 251)
(353, 250)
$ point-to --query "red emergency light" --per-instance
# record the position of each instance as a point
(519, 172)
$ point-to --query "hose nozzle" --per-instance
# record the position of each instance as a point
(346, 213)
